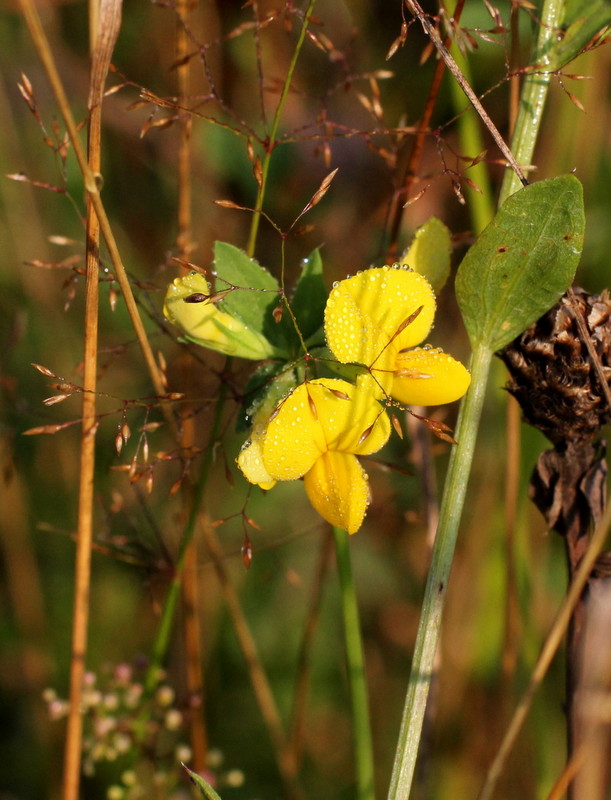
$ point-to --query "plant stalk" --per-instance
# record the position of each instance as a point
(164, 632)
(105, 22)
(361, 725)
(481, 204)
(92, 188)
(550, 646)
(534, 95)
(271, 138)
(439, 572)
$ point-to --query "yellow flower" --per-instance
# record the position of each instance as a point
(375, 317)
(187, 305)
(316, 432)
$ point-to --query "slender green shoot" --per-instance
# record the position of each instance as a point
(363, 751)
(271, 138)
(481, 203)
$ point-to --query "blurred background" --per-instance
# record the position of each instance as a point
(349, 108)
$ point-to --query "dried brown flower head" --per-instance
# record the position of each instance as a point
(561, 367)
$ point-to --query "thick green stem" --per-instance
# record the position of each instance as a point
(439, 573)
(534, 95)
(363, 752)
(271, 139)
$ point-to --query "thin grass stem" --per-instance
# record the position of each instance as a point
(271, 139)
(361, 725)
(164, 632)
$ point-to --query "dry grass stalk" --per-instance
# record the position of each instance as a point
(93, 191)
(102, 41)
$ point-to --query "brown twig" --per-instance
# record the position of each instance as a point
(512, 492)
(190, 593)
(260, 683)
(514, 80)
(422, 130)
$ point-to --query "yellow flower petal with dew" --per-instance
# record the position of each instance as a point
(338, 488)
(366, 315)
(205, 324)
(319, 416)
(428, 377)
(250, 461)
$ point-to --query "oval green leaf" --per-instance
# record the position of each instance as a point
(255, 295)
(522, 262)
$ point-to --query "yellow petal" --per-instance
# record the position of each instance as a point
(427, 377)
(250, 461)
(294, 438)
(368, 311)
(338, 489)
(318, 416)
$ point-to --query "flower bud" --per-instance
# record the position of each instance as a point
(190, 306)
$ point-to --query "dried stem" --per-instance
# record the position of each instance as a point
(190, 593)
(512, 493)
(303, 671)
(103, 33)
(91, 186)
(164, 631)
(411, 170)
(183, 238)
(258, 678)
(551, 645)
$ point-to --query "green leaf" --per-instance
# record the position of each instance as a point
(203, 787)
(268, 384)
(522, 262)
(310, 296)
(583, 20)
(429, 253)
(258, 293)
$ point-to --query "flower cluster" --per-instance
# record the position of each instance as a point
(374, 319)
(143, 737)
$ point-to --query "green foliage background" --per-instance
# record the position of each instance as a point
(484, 664)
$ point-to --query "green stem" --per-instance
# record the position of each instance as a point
(164, 632)
(363, 751)
(481, 205)
(439, 572)
(534, 95)
(271, 139)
